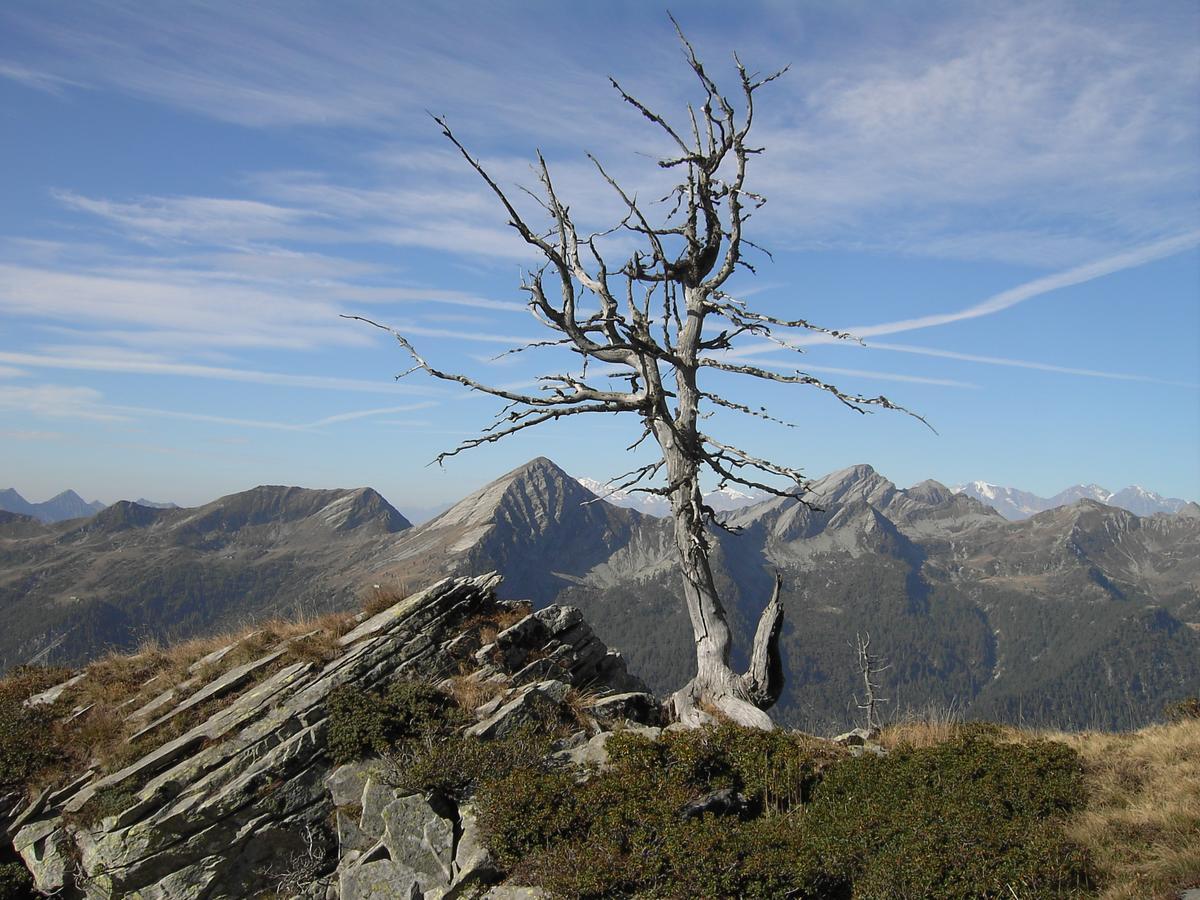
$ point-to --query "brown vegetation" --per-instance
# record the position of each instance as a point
(92, 723)
(1142, 822)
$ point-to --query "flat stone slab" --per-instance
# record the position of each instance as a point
(51, 694)
(538, 700)
(419, 838)
(379, 880)
(347, 783)
(473, 863)
(232, 679)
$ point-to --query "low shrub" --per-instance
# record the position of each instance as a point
(453, 766)
(27, 740)
(974, 817)
(373, 722)
(102, 804)
(970, 817)
(15, 882)
(622, 831)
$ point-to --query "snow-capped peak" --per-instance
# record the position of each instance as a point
(727, 498)
(985, 489)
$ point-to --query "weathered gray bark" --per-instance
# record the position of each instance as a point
(650, 325)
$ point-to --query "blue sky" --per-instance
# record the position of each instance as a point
(1001, 199)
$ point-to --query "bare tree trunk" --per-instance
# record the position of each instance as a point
(717, 690)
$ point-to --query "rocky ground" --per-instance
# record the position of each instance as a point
(240, 803)
(242, 768)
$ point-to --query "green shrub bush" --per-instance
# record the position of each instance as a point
(622, 831)
(970, 817)
(27, 734)
(974, 817)
(453, 766)
(15, 882)
(372, 722)
(104, 803)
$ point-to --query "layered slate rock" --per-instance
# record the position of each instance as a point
(248, 800)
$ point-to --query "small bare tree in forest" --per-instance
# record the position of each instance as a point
(660, 319)
(869, 668)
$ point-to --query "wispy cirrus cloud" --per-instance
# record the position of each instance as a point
(1132, 258)
(25, 434)
(67, 360)
(887, 376)
(39, 81)
(57, 402)
(212, 220)
(1138, 256)
(186, 308)
(269, 424)
(1029, 364)
(1075, 128)
(1036, 134)
(77, 403)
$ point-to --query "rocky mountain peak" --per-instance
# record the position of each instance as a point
(1190, 510)
(120, 516)
(931, 492)
(530, 496)
(860, 482)
(363, 507)
(340, 509)
(66, 505)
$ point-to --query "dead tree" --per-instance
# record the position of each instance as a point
(660, 319)
(869, 667)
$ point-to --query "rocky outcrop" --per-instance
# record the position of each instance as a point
(248, 800)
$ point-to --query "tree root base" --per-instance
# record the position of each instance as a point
(694, 706)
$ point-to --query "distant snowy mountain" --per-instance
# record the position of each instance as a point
(727, 498)
(1009, 502)
(1082, 492)
(1015, 504)
(1142, 502)
(650, 504)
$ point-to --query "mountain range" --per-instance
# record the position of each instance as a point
(1013, 503)
(70, 590)
(67, 505)
(1084, 615)
(59, 508)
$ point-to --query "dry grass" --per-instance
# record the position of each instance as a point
(493, 621)
(471, 693)
(94, 728)
(1142, 821)
(928, 727)
(379, 597)
(578, 702)
(1141, 824)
